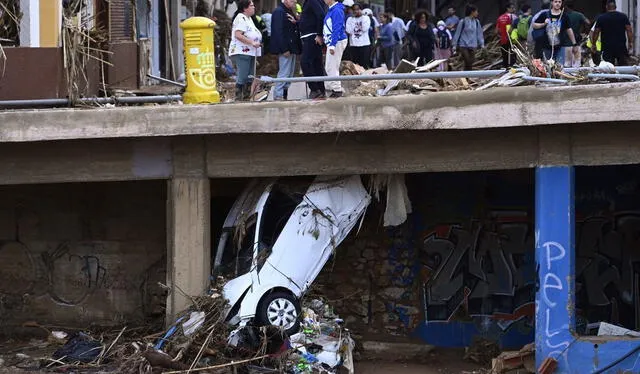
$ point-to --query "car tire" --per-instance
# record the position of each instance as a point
(280, 309)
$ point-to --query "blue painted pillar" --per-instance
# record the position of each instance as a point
(555, 262)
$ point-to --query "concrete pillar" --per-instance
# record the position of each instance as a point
(188, 226)
(555, 259)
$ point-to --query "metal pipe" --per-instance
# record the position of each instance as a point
(619, 69)
(400, 76)
(433, 75)
(89, 100)
(164, 80)
(544, 80)
(614, 76)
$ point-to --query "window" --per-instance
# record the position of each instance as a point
(238, 250)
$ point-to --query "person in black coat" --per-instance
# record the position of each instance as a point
(310, 25)
(421, 36)
(285, 42)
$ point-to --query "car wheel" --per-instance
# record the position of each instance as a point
(280, 309)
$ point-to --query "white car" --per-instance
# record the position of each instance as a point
(276, 239)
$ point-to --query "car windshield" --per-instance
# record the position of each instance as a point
(238, 242)
(238, 248)
(282, 201)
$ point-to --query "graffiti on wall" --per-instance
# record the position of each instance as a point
(483, 270)
(68, 274)
(486, 269)
(553, 300)
(608, 268)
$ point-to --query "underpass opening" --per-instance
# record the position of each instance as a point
(461, 267)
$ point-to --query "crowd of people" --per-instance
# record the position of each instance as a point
(348, 30)
(556, 33)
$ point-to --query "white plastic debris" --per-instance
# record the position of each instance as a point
(607, 329)
(196, 319)
(61, 335)
(606, 67)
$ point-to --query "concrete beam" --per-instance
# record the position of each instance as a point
(85, 161)
(497, 108)
(189, 247)
(249, 155)
(375, 152)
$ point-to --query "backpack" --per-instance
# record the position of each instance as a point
(538, 35)
(372, 29)
(444, 42)
(523, 27)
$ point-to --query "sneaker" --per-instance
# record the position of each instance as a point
(335, 94)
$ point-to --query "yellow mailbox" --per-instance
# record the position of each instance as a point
(199, 61)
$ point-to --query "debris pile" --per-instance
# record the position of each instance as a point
(507, 362)
(487, 58)
(10, 16)
(323, 344)
(481, 351)
(201, 340)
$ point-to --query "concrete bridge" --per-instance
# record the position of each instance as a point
(183, 150)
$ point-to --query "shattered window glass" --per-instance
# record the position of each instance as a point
(283, 200)
(244, 245)
(238, 249)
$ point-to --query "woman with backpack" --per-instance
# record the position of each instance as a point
(443, 44)
(469, 36)
(421, 37)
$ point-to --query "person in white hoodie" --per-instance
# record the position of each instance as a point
(358, 30)
(443, 44)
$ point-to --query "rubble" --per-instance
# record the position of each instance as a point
(200, 340)
(527, 71)
(512, 360)
(481, 351)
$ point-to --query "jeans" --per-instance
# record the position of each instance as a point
(558, 54)
(332, 66)
(244, 66)
(387, 57)
(311, 62)
(286, 68)
(397, 54)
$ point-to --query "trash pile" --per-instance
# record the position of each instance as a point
(527, 71)
(200, 340)
(391, 86)
(323, 344)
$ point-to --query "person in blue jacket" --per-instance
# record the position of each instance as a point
(285, 43)
(335, 38)
(388, 40)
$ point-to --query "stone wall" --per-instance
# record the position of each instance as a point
(372, 280)
(75, 254)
